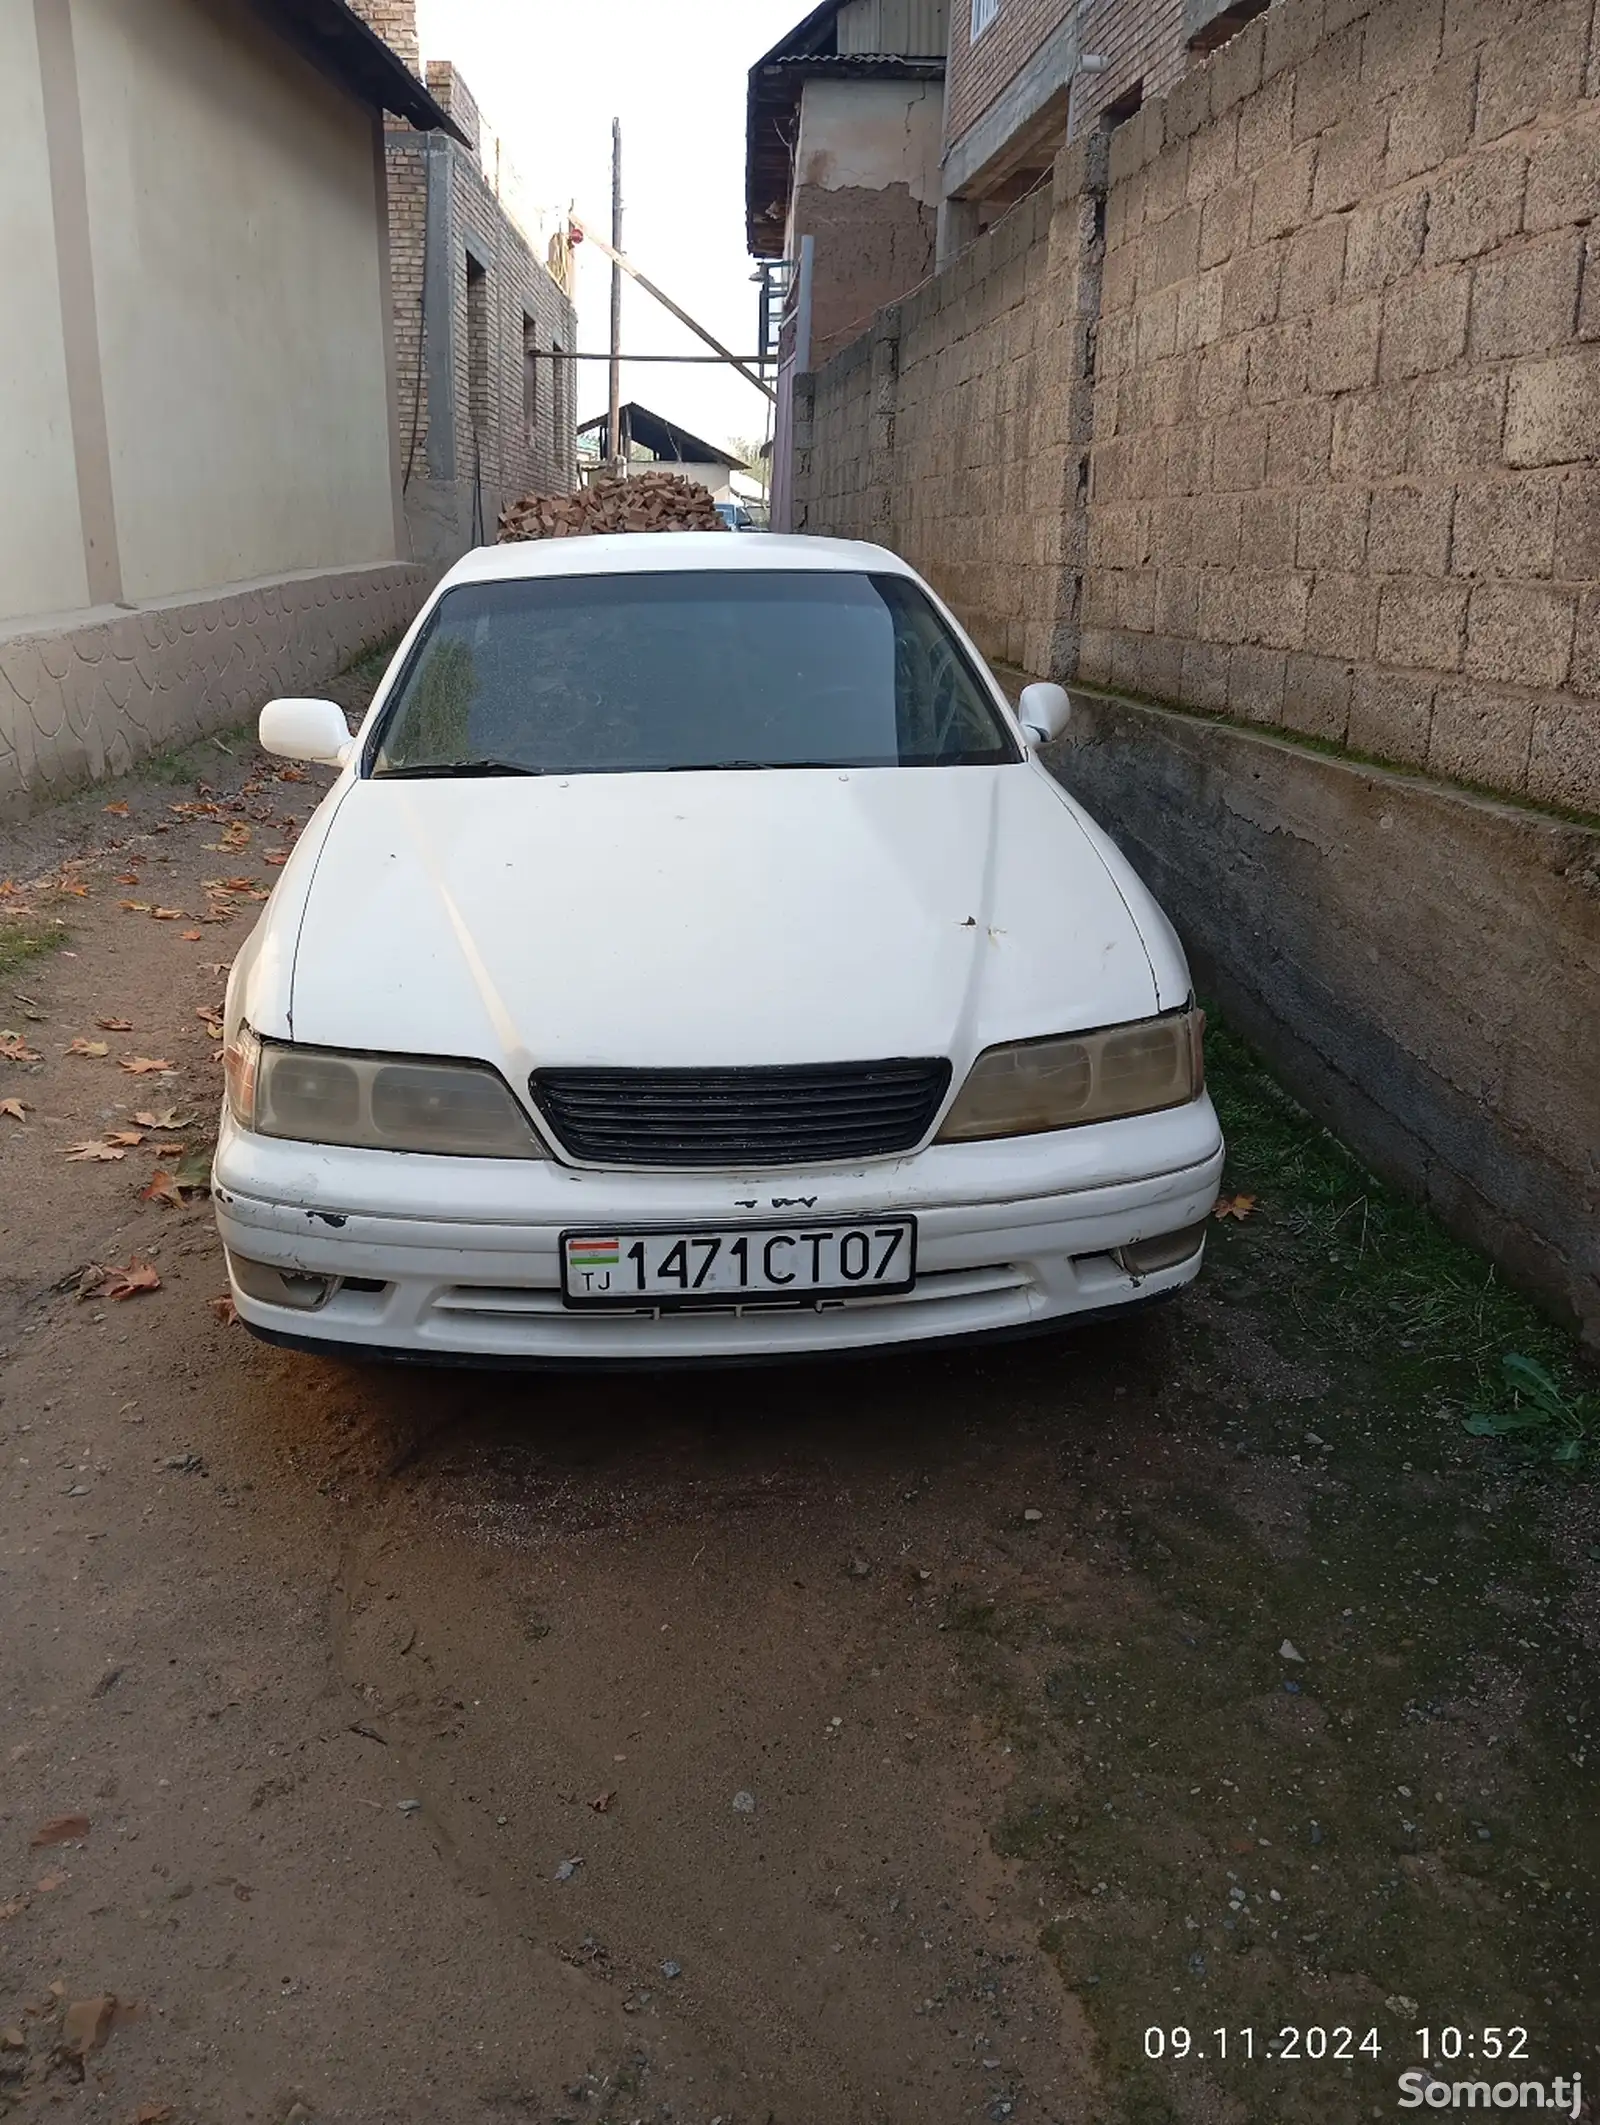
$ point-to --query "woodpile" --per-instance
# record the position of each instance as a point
(654, 501)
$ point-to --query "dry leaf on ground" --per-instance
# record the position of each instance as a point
(13, 1048)
(93, 1049)
(60, 1830)
(115, 1025)
(143, 1065)
(190, 936)
(224, 1309)
(162, 1187)
(169, 1119)
(126, 1283)
(277, 857)
(166, 914)
(134, 907)
(14, 1108)
(130, 1139)
(117, 811)
(93, 1152)
(1234, 1206)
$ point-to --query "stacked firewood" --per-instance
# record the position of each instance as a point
(654, 501)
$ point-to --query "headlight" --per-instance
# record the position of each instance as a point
(375, 1102)
(1073, 1078)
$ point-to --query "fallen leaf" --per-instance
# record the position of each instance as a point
(98, 1283)
(14, 1108)
(601, 1803)
(115, 1025)
(134, 907)
(143, 1065)
(166, 914)
(1234, 1206)
(94, 1049)
(127, 878)
(86, 2025)
(237, 885)
(64, 886)
(209, 1014)
(190, 936)
(276, 857)
(13, 1048)
(162, 1187)
(224, 1309)
(235, 835)
(128, 1138)
(60, 1830)
(168, 1120)
(117, 811)
(88, 1153)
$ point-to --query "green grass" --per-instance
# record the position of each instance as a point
(1364, 1266)
(370, 664)
(26, 937)
(195, 759)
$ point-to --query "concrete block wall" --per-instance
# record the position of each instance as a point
(84, 700)
(957, 430)
(1333, 471)
(1347, 406)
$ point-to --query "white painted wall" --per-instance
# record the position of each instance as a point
(234, 218)
(871, 134)
(41, 538)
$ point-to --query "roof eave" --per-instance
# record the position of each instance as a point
(338, 43)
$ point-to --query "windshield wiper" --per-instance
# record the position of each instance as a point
(455, 768)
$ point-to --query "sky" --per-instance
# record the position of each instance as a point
(549, 78)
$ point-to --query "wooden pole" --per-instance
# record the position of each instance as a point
(618, 460)
(627, 265)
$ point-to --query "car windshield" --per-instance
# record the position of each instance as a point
(685, 669)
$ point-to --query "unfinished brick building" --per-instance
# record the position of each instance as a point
(487, 407)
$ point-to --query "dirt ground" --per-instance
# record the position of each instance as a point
(935, 1738)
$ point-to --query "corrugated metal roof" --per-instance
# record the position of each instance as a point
(913, 29)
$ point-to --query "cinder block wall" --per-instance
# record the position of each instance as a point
(1347, 406)
(957, 430)
(1337, 475)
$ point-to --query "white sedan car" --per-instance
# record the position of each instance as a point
(693, 960)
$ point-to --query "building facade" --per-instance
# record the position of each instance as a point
(197, 385)
(483, 320)
(846, 116)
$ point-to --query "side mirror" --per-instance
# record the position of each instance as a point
(302, 729)
(1044, 709)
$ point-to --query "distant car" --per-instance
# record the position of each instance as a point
(695, 960)
(736, 516)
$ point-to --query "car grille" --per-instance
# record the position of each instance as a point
(790, 1116)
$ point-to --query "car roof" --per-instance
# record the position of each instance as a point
(667, 553)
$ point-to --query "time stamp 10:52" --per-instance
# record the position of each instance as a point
(1318, 2042)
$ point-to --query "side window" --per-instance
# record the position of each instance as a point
(983, 13)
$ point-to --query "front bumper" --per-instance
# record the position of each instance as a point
(459, 1257)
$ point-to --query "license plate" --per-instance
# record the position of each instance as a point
(766, 1264)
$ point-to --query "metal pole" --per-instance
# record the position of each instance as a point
(617, 258)
(617, 459)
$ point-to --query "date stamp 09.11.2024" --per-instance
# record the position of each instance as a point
(1450, 2067)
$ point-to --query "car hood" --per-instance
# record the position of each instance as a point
(718, 918)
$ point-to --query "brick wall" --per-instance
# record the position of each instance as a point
(1144, 41)
(1348, 400)
(979, 71)
(464, 455)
